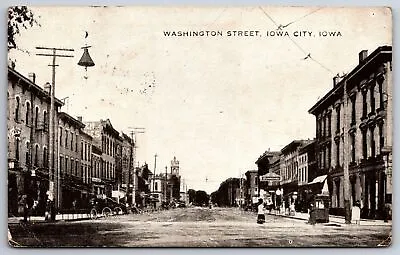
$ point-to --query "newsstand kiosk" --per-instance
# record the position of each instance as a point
(319, 211)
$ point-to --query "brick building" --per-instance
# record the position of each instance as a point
(106, 138)
(354, 130)
(74, 155)
(28, 140)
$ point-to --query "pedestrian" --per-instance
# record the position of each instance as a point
(312, 220)
(260, 212)
(23, 207)
(355, 212)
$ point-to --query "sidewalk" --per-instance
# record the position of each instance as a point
(59, 217)
(335, 219)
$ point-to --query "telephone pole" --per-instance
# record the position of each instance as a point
(133, 132)
(154, 174)
(346, 177)
(53, 177)
(166, 183)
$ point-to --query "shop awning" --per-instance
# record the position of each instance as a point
(319, 179)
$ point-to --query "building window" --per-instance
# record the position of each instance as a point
(61, 137)
(338, 153)
(364, 143)
(329, 124)
(81, 150)
(61, 163)
(17, 148)
(36, 116)
(81, 174)
(66, 165)
(72, 141)
(45, 157)
(17, 107)
(372, 96)
(27, 157)
(338, 119)
(329, 155)
(353, 147)
(28, 113)
(353, 110)
(85, 152)
(76, 168)
(381, 137)
(76, 143)
(72, 166)
(364, 94)
(66, 139)
(324, 126)
(372, 141)
(155, 186)
(36, 155)
(45, 119)
(380, 94)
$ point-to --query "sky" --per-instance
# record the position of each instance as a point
(215, 102)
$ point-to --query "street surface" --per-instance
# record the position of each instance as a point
(196, 227)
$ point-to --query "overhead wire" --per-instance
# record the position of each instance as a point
(279, 27)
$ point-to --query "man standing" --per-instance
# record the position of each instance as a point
(260, 212)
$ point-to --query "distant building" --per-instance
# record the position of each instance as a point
(251, 187)
(127, 174)
(358, 111)
(74, 159)
(106, 138)
(97, 181)
(289, 170)
(307, 187)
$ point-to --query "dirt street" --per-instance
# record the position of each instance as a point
(196, 227)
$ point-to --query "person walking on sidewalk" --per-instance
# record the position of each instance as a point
(355, 212)
(260, 212)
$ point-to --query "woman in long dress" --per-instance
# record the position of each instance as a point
(260, 212)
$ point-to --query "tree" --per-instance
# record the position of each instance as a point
(18, 17)
(201, 198)
(192, 195)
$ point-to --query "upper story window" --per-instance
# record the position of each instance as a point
(17, 108)
(17, 142)
(36, 116)
(329, 124)
(353, 110)
(381, 137)
(28, 113)
(364, 113)
(380, 88)
(353, 147)
(66, 139)
(372, 97)
(61, 137)
(364, 143)
(338, 119)
(45, 118)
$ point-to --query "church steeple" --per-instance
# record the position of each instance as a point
(175, 166)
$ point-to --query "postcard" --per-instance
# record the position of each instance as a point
(199, 126)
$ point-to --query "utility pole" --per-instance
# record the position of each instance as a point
(155, 167)
(166, 183)
(133, 133)
(53, 177)
(346, 177)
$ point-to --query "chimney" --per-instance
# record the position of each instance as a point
(362, 56)
(47, 88)
(336, 80)
(32, 77)
(79, 118)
